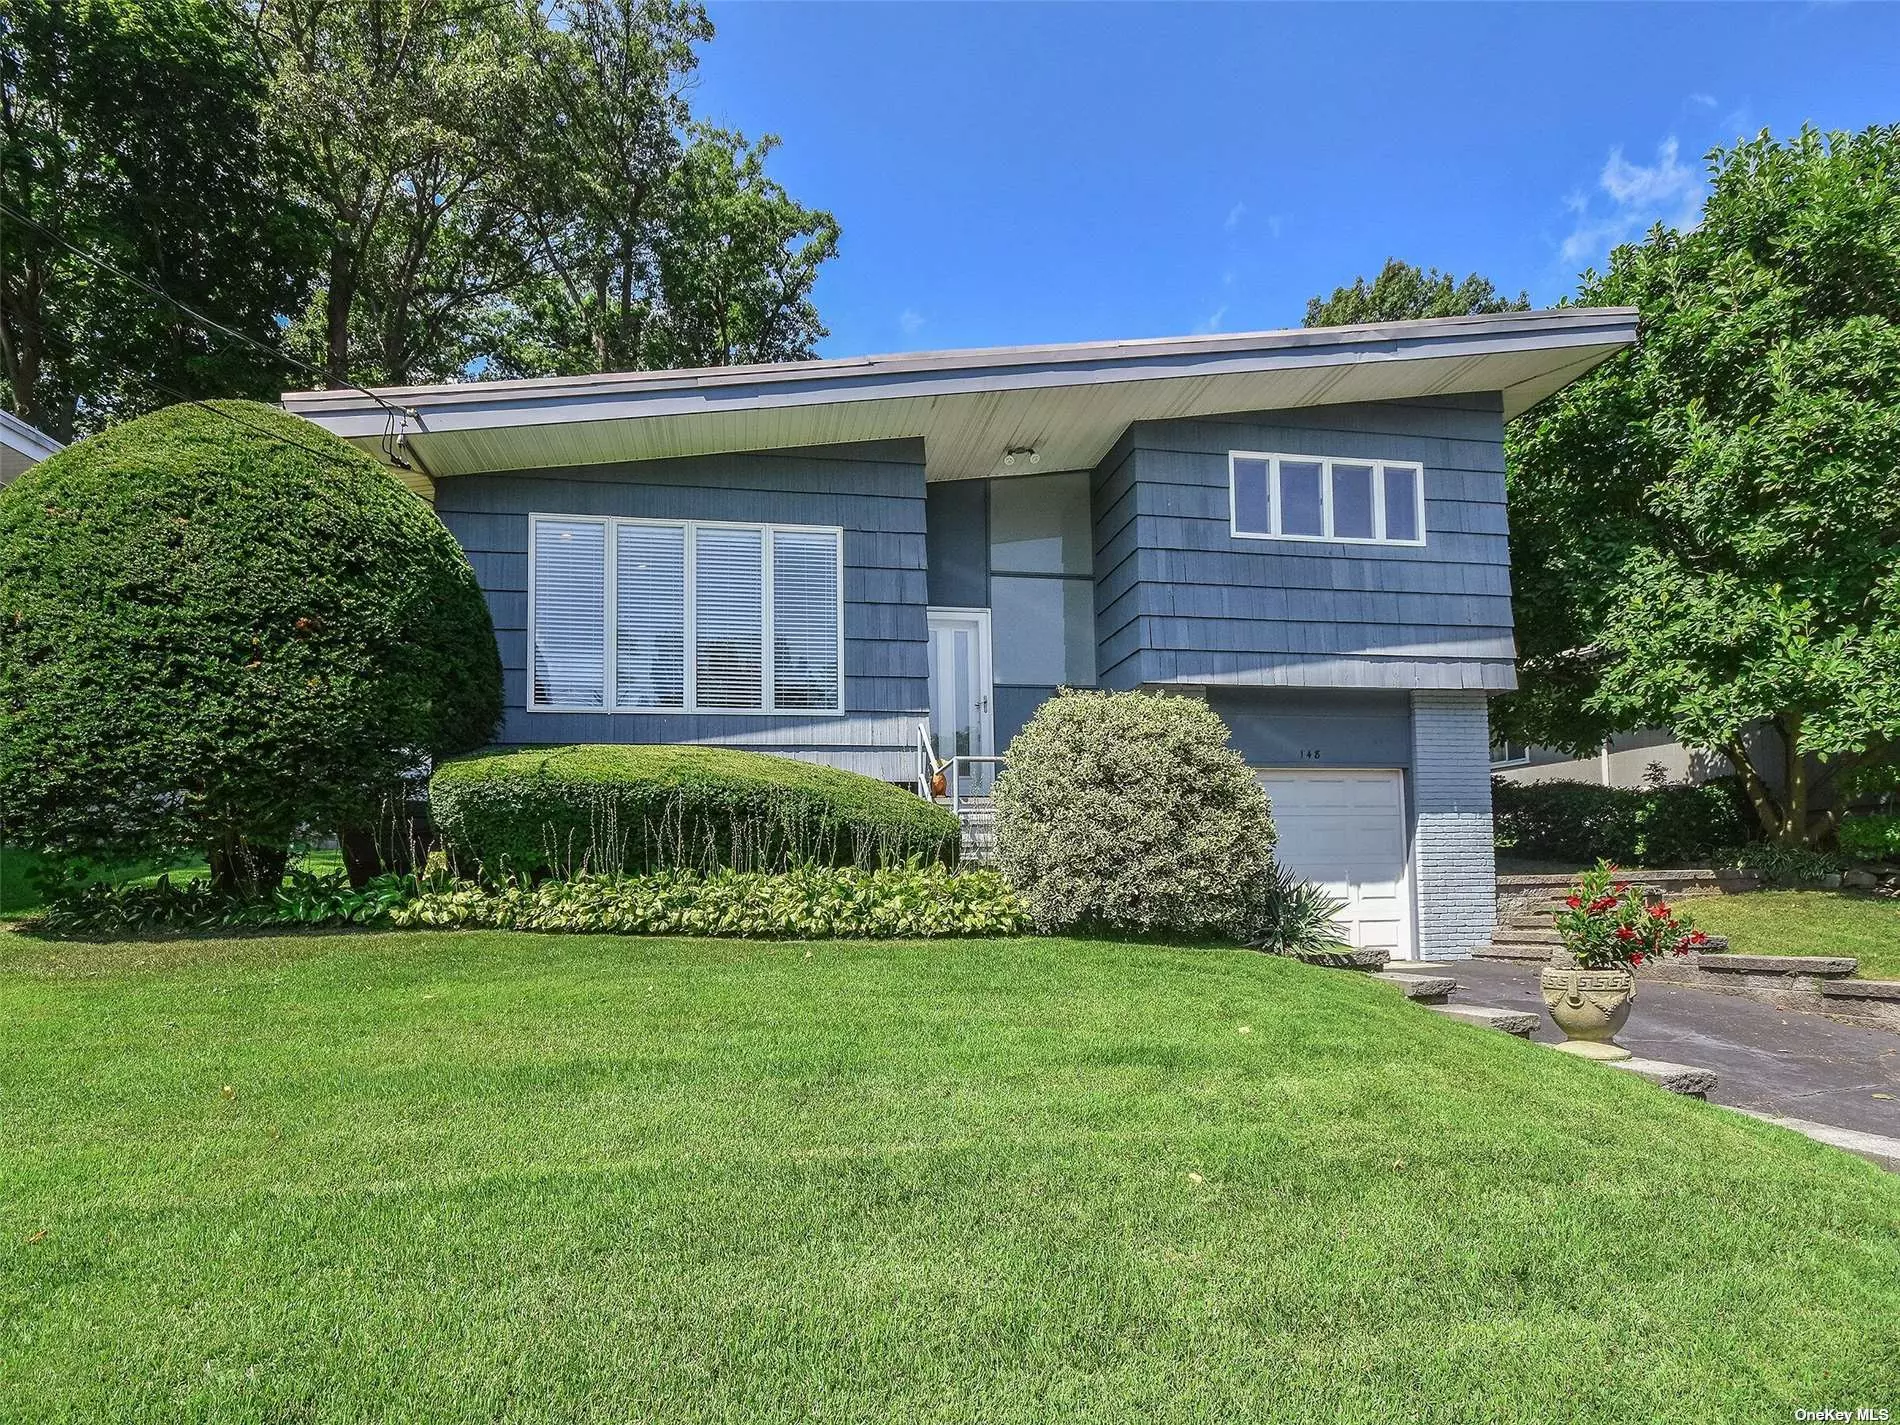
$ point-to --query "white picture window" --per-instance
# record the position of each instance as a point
(684, 616)
(1316, 497)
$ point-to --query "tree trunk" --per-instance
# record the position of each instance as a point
(339, 296)
(1794, 803)
(241, 867)
(1767, 809)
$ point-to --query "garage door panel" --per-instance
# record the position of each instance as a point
(1345, 832)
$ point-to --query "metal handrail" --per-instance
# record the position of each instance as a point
(929, 765)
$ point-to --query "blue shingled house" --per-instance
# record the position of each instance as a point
(846, 560)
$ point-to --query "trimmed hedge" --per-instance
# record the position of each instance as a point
(1650, 826)
(617, 808)
(1871, 836)
(220, 625)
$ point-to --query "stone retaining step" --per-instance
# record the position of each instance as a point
(1676, 1078)
(1559, 882)
(1530, 954)
(1861, 989)
(1426, 989)
(1820, 966)
(1511, 1021)
(1346, 959)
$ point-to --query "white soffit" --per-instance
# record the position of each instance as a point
(1069, 403)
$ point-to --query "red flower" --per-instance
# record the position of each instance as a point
(1698, 937)
(1574, 902)
(1636, 958)
(1623, 932)
(1660, 910)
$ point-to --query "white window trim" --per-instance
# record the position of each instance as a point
(609, 563)
(1326, 463)
(1498, 763)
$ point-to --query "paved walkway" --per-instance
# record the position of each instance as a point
(1771, 1061)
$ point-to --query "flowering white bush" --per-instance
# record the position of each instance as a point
(1129, 811)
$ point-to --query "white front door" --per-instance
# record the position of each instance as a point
(1345, 830)
(961, 722)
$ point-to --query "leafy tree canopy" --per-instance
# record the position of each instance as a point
(1706, 529)
(219, 625)
(133, 129)
(1402, 292)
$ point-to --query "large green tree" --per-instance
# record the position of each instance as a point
(131, 129)
(661, 241)
(1402, 292)
(1706, 530)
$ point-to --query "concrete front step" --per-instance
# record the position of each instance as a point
(1529, 954)
(1510, 1021)
(1426, 989)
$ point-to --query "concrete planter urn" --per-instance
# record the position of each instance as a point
(1589, 1006)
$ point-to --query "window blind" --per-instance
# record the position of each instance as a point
(679, 616)
(805, 670)
(570, 613)
(728, 617)
(650, 616)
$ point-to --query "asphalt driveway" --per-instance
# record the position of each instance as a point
(1780, 1062)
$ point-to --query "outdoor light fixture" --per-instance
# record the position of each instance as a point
(1021, 454)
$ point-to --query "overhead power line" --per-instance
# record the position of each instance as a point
(393, 439)
(210, 324)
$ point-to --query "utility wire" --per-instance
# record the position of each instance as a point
(328, 456)
(196, 316)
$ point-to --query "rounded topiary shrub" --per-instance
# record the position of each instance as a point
(620, 807)
(1129, 811)
(220, 625)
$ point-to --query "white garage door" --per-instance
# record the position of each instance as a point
(1346, 831)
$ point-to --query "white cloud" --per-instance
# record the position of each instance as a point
(911, 320)
(1212, 324)
(1706, 101)
(1273, 224)
(1665, 181)
(1629, 199)
(1234, 215)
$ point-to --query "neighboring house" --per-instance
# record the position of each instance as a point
(1628, 759)
(21, 447)
(1305, 528)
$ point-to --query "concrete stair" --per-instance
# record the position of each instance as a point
(978, 817)
(1424, 989)
(1510, 1021)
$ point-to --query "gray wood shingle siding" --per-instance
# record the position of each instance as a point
(1179, 599)
(875, 492)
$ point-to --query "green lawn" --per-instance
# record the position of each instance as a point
(1807, 923)
(501, 1177)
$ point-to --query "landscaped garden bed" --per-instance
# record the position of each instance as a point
(442, 1176)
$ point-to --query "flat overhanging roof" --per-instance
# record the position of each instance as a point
(1069, 403)
(22, 446)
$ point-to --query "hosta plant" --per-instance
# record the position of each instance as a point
(1607, 923)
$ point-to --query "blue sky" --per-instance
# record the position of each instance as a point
(1023, 173)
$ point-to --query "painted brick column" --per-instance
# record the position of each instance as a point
(1454, 872)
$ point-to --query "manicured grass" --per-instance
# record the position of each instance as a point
(1808, 923)
(503, 1177)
